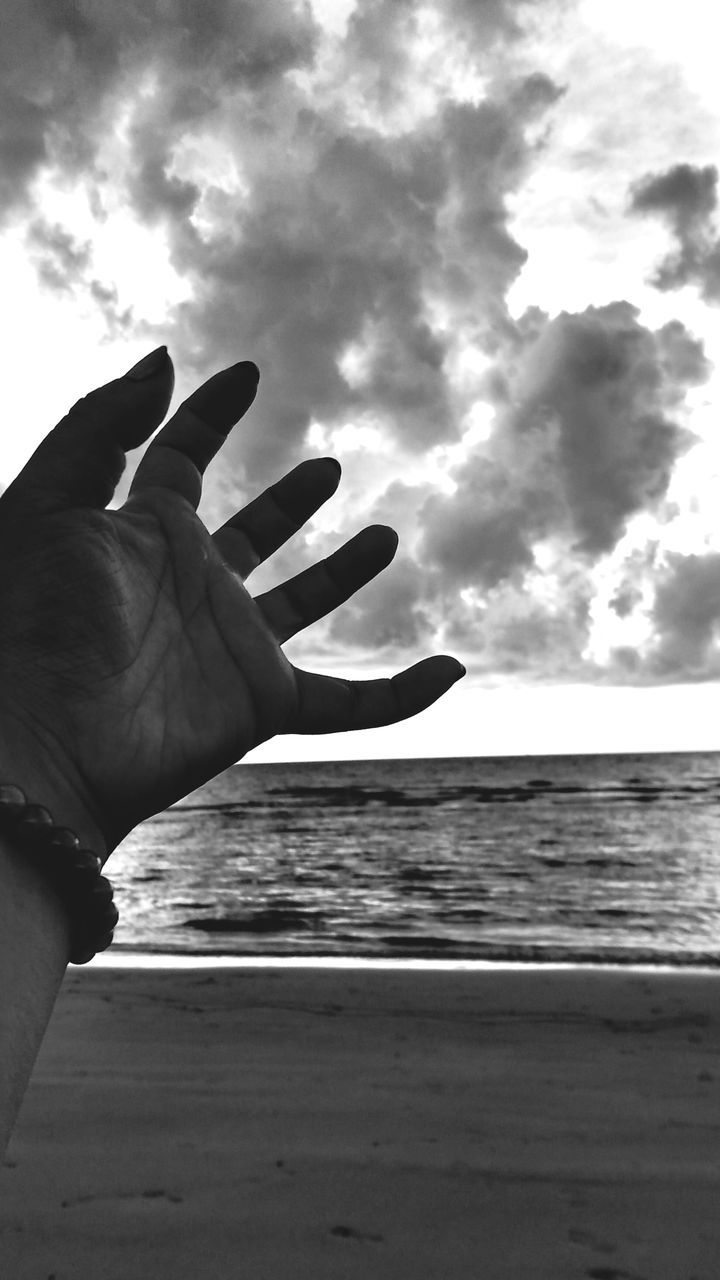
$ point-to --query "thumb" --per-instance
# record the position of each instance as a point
(81, 460)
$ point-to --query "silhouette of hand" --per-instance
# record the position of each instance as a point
(134, 663)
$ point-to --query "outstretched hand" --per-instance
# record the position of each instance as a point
(134, 664)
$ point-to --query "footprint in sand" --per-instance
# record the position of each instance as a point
(587, 1237)
(123, 1195)
(349, 1233)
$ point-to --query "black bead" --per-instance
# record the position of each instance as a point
(64, 838)
(85, 861)
(12, 799)
(73, 871)
(92, 897)
(110, 917)
(35, 824)
(101, 890)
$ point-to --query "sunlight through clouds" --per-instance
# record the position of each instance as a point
(459, 270)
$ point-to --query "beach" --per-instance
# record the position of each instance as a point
(342, 1124)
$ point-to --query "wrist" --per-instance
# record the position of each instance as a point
(45, 776)
(34, 949)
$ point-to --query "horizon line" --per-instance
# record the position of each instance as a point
(500, 755)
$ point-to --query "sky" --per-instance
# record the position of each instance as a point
(474, 249)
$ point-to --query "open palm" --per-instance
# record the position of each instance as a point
(139, 665)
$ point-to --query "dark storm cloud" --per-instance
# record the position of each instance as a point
(685, 194)
(345, 227)
(512, 631)
(351, 207)
(347, 248)
(488, 157)
(685, 198)
(67, 66)
(585, 438)
(389, 614)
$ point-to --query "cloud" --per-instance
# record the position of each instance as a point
(686, 617)
(58, 254)
(685, 198)
(586, 437)
(388, 615)
(320, 198)
(514, 630)
(338, 209)
(347, 255)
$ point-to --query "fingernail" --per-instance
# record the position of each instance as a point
(225, 397)
(249, 368)
(149, 365)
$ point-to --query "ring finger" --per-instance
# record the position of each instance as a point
(312, 594)
(254, 533)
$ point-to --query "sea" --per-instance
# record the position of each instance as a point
(609, 859)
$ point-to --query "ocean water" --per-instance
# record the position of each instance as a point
(612, 859)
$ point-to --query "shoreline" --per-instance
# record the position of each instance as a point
(202, 960)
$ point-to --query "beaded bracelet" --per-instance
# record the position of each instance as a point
(74, 872)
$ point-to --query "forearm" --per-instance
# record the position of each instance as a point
(34, 950)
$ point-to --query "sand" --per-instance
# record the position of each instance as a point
(304, 1124)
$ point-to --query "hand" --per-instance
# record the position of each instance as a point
(135, 665)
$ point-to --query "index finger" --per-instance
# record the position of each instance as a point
(177, 457)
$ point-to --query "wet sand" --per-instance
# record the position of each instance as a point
(278, 1124)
